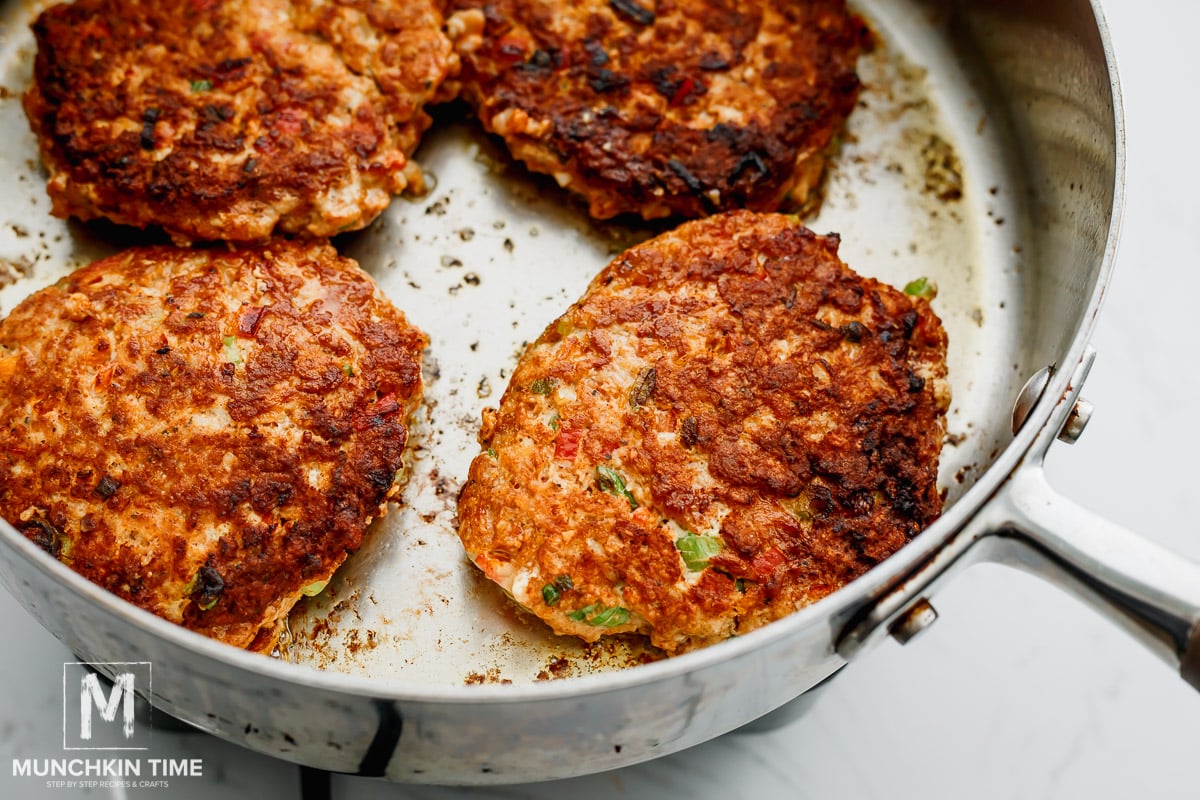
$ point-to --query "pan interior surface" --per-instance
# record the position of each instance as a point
(491, 255)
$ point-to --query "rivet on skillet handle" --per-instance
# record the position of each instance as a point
(1081, 415)
(1150, 592)
(915, 621)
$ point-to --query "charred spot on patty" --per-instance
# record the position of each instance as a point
(724, 435)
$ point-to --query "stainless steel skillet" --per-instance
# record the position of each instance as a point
(1024, 94)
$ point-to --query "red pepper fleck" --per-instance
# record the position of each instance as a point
(289, 120)
(249, 320)
(512, 48)
(373, 415)
(765, 563)
(566, 444)
(105, 375)
(681, 93)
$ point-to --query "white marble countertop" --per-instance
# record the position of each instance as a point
(1017, 691)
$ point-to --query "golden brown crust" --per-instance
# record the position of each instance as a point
(744, 385)
(228, 120)
(686, 107)
(196, 427)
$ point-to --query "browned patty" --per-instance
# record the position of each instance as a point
(218, 119)
(206, 433)
(730, 424)
(685, 108)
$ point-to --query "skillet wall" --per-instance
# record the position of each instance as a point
(1044, 63)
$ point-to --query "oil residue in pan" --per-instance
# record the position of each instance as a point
(490, 256)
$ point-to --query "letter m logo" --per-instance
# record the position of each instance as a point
(90, 694)
(99, 715)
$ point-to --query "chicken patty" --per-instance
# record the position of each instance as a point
(223, 120)
(729, 425)
(660, 109)
(206, 433)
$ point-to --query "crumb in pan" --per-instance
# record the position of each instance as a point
(206, 433)
(223, 120)
(661, 109)
(730, 424)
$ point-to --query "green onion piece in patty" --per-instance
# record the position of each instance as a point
(643, 387)
(609, 617)
(697, 550)
(551, 592)
(314, 588)
(232, 354)
(611, 481)
(201, 86)
(543, 385)
(207, 585)
(600, 615)
(921, 287)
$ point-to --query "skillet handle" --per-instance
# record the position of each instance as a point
(1151, 592)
